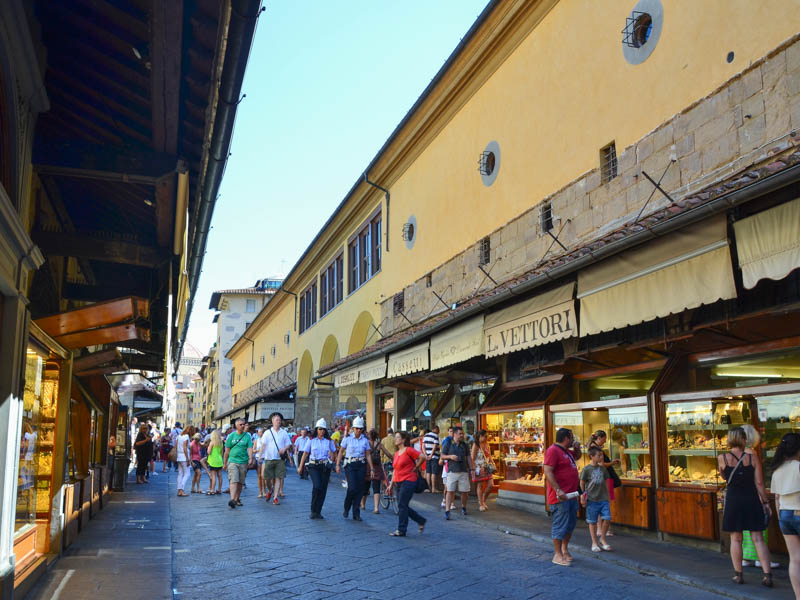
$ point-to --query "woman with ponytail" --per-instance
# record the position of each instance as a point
(786, 487)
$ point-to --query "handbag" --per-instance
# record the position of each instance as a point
(420, 485)
(172, 455)
(724, 491)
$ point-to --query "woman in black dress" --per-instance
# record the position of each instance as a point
(144, 451)
(746, 502)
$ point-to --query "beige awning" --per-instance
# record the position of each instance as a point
(684, 269)
(343, 378)
(542, 319)
(410, 360)
(768, 243)
(372, 370)
(457, 344)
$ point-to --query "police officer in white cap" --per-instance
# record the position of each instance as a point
(318, 454)
(357, 458)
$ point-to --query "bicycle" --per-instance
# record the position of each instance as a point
(388, 500)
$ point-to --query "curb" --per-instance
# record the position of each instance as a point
(632, 565)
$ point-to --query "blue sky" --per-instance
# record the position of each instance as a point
(327, 82)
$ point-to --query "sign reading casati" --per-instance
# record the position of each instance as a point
(548, 325)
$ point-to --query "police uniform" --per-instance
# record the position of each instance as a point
(355, 469)
(319, 468)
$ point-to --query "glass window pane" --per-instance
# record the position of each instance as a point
(693, 442)
(777, 416)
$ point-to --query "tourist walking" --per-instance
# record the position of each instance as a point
(356, 451)
(165, 446)
(459, 465)
(561, 473)
(318, 456)
(405, 464)
(143, 447)
(443, 465)
(430, 444)
(484, 468)
(238, 455)
(300, 444)
(388, 447)
(197, 465)
(215, 461)
(275, 444)
(786, 487)
(262, 486)
(746, 503)
(595, 498)
(598, 440)
(376, 476)
(182, 457)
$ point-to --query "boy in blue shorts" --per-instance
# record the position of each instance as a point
(595, 496)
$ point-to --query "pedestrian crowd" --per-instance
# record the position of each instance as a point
(402, 464)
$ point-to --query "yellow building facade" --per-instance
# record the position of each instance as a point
(554, 95)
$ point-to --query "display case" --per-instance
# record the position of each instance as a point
(517, 442)
(777, 415)
(629, 441)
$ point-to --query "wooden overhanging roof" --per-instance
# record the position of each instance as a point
(132, 86)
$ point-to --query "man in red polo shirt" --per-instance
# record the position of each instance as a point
(562, 478)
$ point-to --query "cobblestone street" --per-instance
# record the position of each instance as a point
(266, 551)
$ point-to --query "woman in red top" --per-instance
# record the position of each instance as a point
(405, 463)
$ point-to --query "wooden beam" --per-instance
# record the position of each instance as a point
(96, 359)
(165, 56)
(165, 211)
(145, 362)
(102, 370)
(85, 160)
(103, 335)
(95, 315)
(60, 243)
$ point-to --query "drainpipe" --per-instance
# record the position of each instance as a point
(244, 14)
(386, 192)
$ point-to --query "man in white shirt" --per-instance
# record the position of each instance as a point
(275, 444)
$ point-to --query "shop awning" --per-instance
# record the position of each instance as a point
(457, 344)
(542, 319)
(343, 378)
(685, 269)
(768, 243)
(410, 360)
(100, 323)
(372, 370)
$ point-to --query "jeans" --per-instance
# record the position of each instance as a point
(565, 517)
(355, 473)
(405, 489)
(320, 475)
(184, 474)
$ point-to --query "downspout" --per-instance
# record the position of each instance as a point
(244, 14)
(386, 192)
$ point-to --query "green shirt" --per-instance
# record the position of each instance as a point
(239, 448)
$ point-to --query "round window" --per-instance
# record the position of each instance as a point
(489, 163)
(410, 232)
(642, 31)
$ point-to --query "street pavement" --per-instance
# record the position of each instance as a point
(199, 547)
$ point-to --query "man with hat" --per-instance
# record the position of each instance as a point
(318, 456)
(357, 456)
(275, 444)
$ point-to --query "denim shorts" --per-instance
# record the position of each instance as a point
(565, 517)
(790, 522)
(598, 509)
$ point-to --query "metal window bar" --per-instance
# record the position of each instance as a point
(486, 163)
(546, 217)
(398, 303)
(485, 251)
(638, 27)
(608, 163)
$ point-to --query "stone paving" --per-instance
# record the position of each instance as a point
(199, 547)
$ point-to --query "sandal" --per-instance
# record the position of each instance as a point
(606, 547)
(596, 549)
(738, 577)
(561, 562)
(396, 533)
(766, 580)
(422, 527)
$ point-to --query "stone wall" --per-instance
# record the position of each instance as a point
(753, 116)
(279, 378)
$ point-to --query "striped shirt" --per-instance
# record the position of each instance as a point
(430, 441)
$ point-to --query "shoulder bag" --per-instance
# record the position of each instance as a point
(724, 490)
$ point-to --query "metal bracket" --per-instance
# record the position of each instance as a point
(656, 186)
(446, 305)
(402, 314)
(555, 239)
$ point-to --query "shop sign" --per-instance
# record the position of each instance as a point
(285, 408)
(345, 378)
(548, 325)
(413, 360)
(457, 344)
(375, 369)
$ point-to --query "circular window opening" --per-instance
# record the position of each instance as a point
(488, 163)
(642, 28)
(730, 57)
(410, 232)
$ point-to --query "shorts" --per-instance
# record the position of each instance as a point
(210, 468)
(259, 461)
(274, 469)
(237, 472)
(196, 465)
(790, 522)
(432, 466)
(565, 517)
(598, 509)
(458, 482)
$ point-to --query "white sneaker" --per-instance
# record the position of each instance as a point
(747, 563)
(772, 564)
(442, 503)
